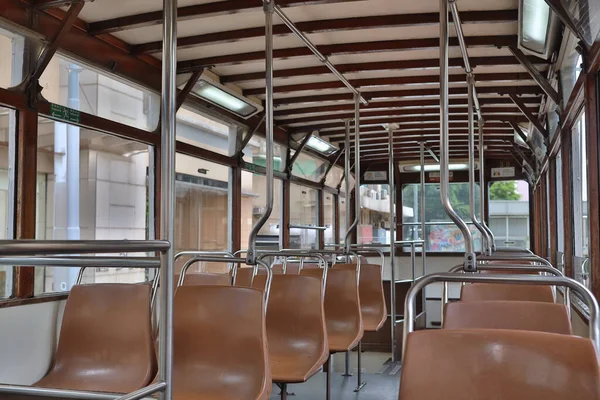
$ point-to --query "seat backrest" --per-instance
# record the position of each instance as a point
(220, 343)
(243, 277)
(498, 291)
(514, 315)
(482, 364)
(342, 308)
(372, 299)
(105, 341)
(206, 278)
(296, 325)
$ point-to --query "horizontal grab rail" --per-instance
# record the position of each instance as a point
(76, 261)
(80, 394)
(308, 227)
(41, 247)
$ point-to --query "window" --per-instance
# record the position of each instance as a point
(11, 67)
(509, 213)
(334, 177)
(253, 206)
(581, 222)
(71, 84)
(108, 200)
(202, 211)
(374, 224)
(255, 152)
(441, 234)
(309, 167)
(303, 217)
(329, 217)
(570, 67)
(560, 223)
(7, 129)
(200, 131)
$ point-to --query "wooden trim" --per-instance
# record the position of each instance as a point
(593, 154)
(553, 213)
(567, 180)
(321, 217)
(46, 298)
(25, 191)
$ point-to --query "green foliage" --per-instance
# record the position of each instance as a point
(504, 190)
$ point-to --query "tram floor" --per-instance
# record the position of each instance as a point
(381, 385)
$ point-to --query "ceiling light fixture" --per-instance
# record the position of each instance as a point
(222, 96)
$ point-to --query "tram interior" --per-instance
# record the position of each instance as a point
(306, 199)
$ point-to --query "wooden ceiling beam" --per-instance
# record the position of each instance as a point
(428, 63)
(402, 120)
(407, 93)
(392, 104)
(329, 25)
(414, 112)
(390, 81)
(195, 11)
(416, 126)
(349, 48)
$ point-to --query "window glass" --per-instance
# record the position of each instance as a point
(200, 131)
(570, 67)
(11, 63)
(329, 217)
(342, 203)
(255, 152)
(303, 217)
(560, 223)
(547, 217)
(509, 213)
(580, 197)
(253, 206)
(77, 86)
(374, 224)
(202, 212)
(111, 195)
(441, 234)
(334, 177)
(7, 127)
(309, 167)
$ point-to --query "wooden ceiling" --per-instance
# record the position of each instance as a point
(388, 49)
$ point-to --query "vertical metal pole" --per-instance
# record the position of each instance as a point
(328, 378)
(167, 204)
(361, 384)
(469, 262)
(492, 240)
(423, 225)
(268, 6)
(347, 182)
(413, 262)
(471, 147)
(392, 186)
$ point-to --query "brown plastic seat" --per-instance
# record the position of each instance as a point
(220, 344)
(497, 291)
(498, 364)
(206, 278)
(244, 277)
(296, 330)
(105, 341)
(342, 308)
(514, 315)
(372, 300)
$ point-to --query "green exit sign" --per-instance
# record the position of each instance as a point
(64, 113)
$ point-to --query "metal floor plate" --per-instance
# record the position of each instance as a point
(379, 387)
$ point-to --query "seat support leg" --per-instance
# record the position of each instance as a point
(328, 379)
(284, 391)
(361, 384)
(347, 365)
